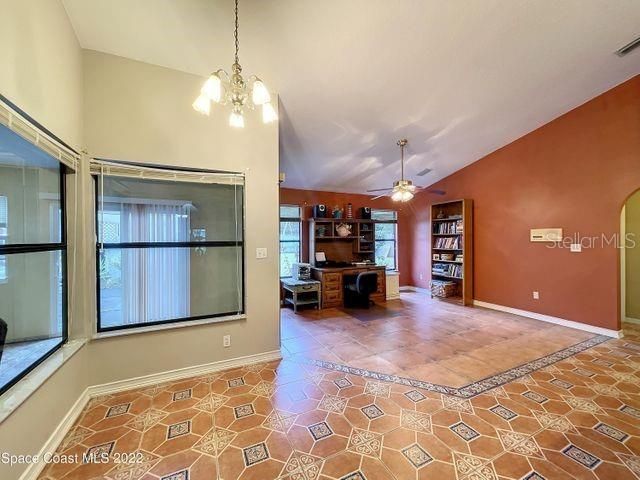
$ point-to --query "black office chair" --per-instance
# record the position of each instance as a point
(3, 335)
(358, 288)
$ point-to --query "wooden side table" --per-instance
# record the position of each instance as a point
(301, 292)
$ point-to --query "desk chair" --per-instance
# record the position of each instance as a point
(357, 289)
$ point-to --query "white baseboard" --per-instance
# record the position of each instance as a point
(632, 320)
(411, 288)
(548, 318)
(35, 468)
(180, 373)
(52, 443)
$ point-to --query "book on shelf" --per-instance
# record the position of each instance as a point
(451, 228)
(448, 243)
(448, 269)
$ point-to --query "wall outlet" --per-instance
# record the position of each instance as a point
(536, 295)
(421, 276)
(261, 252)
(226, 341)
(576, 247)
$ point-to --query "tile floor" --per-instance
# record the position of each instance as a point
(576, 419)
(420, 338)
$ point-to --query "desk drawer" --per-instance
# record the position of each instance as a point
(328, 287)
(331, 277)
(314, 287)
(332, 296)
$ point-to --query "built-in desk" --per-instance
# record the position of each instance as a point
(331, 279)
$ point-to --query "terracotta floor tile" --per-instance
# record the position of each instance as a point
(296, 420)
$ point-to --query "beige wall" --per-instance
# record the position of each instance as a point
(139, 112)
(121, 109)
(42, 73)
(632, 257)
(42, 65)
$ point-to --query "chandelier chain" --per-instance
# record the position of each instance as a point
(235, 33)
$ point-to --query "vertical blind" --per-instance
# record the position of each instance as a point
(170, 244)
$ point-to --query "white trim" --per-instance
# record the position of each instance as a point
(180, 373)
(34, 469)
(632, 320)
(411, 288)
(550, 319)
(166, 326)
(23, 389)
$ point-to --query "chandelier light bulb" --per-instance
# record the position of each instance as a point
(236, 120)
(202, 104)
(268, 113)
(212, 88)
(260, 94)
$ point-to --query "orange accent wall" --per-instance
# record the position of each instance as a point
(574, 172)
(308, 198)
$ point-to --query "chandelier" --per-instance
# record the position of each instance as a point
(234, 90)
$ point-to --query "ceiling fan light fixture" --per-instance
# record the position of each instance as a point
(396, 196)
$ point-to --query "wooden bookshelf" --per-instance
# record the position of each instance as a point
(452, 238)
(359, 246)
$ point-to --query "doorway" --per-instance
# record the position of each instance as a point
(630, 259)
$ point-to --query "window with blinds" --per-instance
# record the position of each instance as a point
(170, 246)
(386, 235)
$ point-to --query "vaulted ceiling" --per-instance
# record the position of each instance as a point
(458, 78)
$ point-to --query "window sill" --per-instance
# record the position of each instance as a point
(166, 326)
(22, 390)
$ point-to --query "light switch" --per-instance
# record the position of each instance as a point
(576, 247)
(261, 252)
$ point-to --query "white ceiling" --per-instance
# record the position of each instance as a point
(458, 78)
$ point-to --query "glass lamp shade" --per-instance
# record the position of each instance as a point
(236, 120)
(260, 94)
(397, 196)
(202, 104)
(268, 113)
(212, 88)
(406, 196)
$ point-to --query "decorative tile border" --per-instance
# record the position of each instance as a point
(474, 388)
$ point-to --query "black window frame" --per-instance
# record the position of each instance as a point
(297, 219)
(393, 240)
(123, 245)
(61, 246)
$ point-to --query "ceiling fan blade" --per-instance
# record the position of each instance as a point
(380, 189)
(379, 196)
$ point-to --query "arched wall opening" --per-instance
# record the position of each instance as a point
(630, 259)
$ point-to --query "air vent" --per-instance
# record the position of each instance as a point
(628, 48)
(424, 172)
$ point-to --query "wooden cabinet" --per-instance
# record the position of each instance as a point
(331, 280)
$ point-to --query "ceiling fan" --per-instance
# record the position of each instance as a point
(402, 190)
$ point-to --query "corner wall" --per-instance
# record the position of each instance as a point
(574, 172)
(42, 74)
